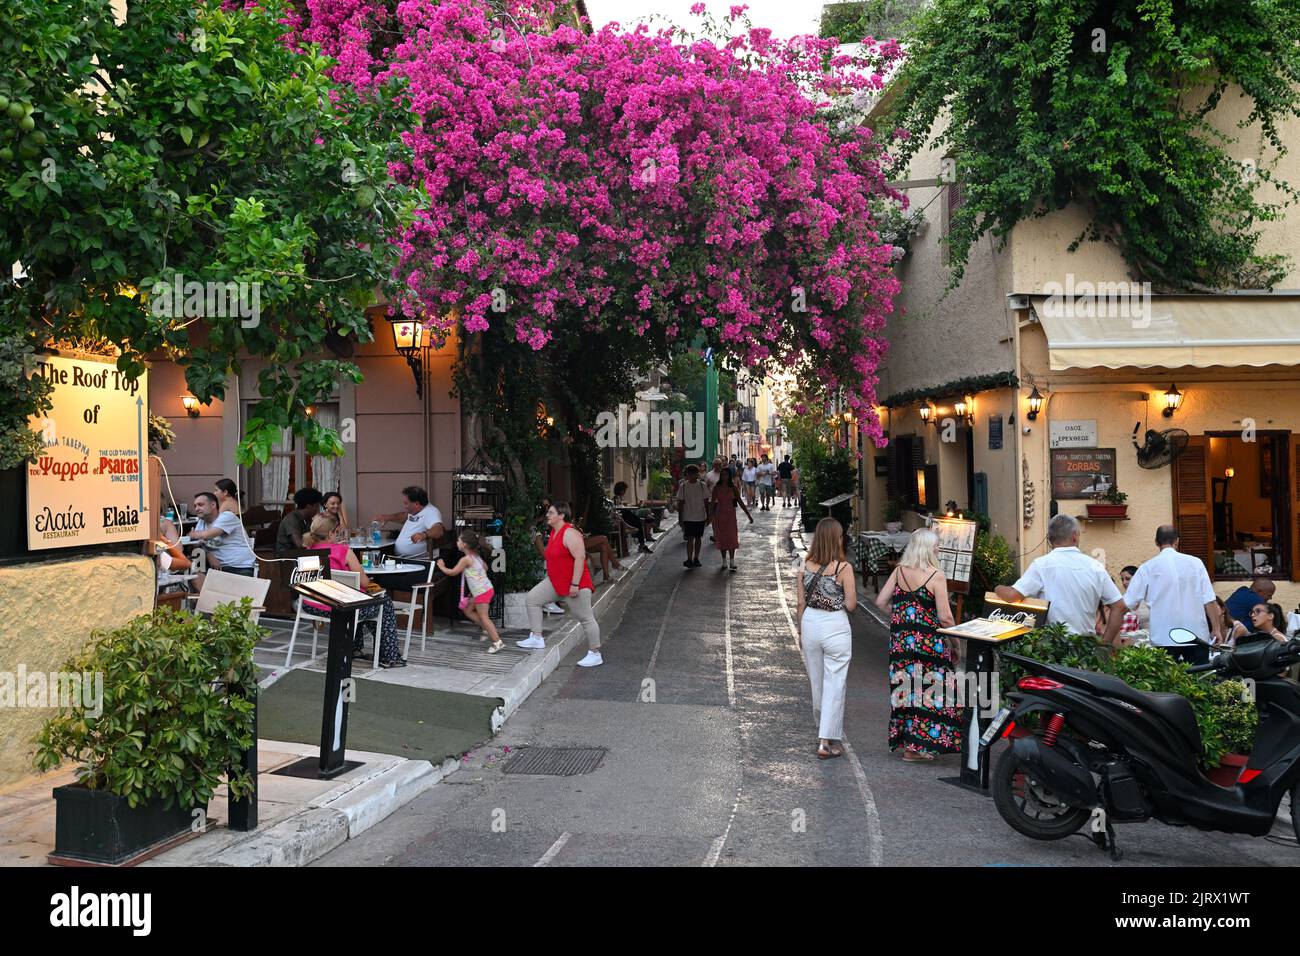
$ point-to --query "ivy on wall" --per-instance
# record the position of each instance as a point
(960, 386)
(1107, 103)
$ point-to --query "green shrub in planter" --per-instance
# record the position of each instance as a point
(1052, 644)
(170, 727)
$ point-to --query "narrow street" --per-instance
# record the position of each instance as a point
(702, 705)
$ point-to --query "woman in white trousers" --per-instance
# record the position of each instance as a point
(826, 593)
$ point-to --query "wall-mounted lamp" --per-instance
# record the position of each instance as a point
(1228, 472)
(1035, 404)
(409, 340)
(311, 410)
(191, 405)
(965, 409)
(1173, 399)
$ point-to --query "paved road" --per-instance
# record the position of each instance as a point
(703, 706)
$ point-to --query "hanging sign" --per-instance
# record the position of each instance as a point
(90, 483)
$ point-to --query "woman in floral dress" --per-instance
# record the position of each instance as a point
(921, 661)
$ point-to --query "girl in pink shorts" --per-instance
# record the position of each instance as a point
(475, 587)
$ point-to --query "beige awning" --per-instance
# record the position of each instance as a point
(1170, 332)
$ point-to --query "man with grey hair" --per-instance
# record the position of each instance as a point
(1073, 583)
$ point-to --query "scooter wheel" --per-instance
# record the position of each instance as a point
(1028, 806)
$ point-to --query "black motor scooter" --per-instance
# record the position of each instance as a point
(1107, 753)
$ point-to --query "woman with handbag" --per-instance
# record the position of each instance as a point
(827, 594)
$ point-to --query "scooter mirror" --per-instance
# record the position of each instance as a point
(1181, 635)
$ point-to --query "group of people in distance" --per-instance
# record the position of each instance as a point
(710, 499)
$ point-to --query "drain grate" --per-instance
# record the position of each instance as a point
(557, 761)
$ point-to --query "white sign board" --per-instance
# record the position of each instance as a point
(1073, 433)
(90, 483)
(956, 546)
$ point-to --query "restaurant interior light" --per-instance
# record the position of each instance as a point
(920, 487)
(1173, 399)
(191, 405)
(1035, 404)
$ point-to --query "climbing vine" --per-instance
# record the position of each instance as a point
(1108, 103)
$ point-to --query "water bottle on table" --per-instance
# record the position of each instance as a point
(375, 537)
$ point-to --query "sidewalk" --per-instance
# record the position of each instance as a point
(300, 820)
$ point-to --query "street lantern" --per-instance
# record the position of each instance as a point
(191, 405)
(926, 411)
(1035, 404)
(1173, 399)
(409, 338)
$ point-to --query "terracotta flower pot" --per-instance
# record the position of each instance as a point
(1096, 510)
(1228, 770)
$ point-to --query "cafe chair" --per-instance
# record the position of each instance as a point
(317, 617)
(222, 587)
(419, 601)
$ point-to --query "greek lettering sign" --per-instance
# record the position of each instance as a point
(1077, 433)
(1082, 472)
(90, 484)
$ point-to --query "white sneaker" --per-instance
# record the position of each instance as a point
(531, 642)
(593, 659)
(553, 608)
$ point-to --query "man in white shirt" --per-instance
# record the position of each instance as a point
(1178, 589)
(766, 477)
(422, 522)
(1072, 582)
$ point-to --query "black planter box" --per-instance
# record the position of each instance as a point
(96, 826)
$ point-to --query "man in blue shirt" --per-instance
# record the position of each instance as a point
(1244, 598)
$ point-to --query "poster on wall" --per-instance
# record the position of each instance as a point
(1082, 472)
(956, 546)
(90, 483)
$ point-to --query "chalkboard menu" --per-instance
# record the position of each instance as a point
(1082, 472)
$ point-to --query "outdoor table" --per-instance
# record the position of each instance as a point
(400, 568)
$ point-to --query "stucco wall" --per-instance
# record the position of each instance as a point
(1213, 400)
(49, 610)
(935, 337)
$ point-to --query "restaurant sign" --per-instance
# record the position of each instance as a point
(1082, 472)
(90, 483)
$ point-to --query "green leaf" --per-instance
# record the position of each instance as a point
(187, 134)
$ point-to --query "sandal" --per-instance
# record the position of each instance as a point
(496, 647)
(388, 665)
(823, 752)
(837, 750)
(914, 756)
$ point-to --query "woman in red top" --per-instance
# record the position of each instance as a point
(568, 580)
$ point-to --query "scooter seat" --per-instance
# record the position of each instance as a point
(1173, 708)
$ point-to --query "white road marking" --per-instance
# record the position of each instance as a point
(556, 847)
(726, 632)
(663, 625)
(875, 840)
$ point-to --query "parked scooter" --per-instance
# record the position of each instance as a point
(1107, 753)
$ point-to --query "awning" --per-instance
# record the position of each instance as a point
(1120, 331)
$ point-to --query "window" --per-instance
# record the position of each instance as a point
(290, 467)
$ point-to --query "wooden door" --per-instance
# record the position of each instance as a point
(1192, 509)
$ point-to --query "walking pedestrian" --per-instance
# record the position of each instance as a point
(725, 500)
(826, 595)
(692, 504)
(474, 577)
(784, 471)
(567, 579)
(749, 478)
(1178, 589)
(921, 660)
(766, 472)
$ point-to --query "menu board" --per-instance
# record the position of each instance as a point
(1082, 472)
(956, 546)
(90, 483)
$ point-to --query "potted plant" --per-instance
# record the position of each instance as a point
(166, 710)
(1108, 504)
(894, 515)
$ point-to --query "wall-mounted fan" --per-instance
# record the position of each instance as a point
(1159, 448)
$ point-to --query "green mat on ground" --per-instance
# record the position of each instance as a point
(410, 722)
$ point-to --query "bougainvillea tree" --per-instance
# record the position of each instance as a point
(645, 187)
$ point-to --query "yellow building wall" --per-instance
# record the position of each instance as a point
(1217, 401)
(50, 609)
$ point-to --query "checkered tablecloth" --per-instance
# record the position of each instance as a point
(873, 553)
(1228, 564)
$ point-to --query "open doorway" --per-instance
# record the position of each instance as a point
(1240, 493)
